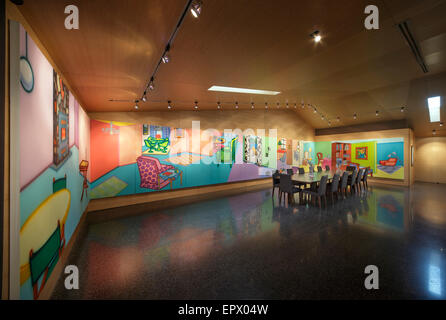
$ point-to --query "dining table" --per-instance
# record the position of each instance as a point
(315, 177)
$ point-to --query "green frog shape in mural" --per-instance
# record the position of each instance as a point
(157, 145)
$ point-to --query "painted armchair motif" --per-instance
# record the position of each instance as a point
(150, 169)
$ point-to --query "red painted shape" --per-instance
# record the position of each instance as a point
(391, 162)
(104, 149)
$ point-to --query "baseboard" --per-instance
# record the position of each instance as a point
(58, 270)
(120, 207)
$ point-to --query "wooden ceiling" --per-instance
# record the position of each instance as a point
(252, 44)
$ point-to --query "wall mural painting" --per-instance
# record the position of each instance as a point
(156, 139)
(297, 147)
(60, 120)
(253, 149)
(390, 160)
(53, 184)
(282, 154)
(362, 153)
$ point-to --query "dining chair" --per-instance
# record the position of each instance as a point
(276, 181)
(321, 191)
(327, 168)
(343, 187)
(287, 187)
(358, 180)
(351, 168)
(290, 171)
(319, 169)
(364, 178)
(333, 187)
(352, 180)
(301, 170)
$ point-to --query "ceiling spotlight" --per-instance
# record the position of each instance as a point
(166, 58)
(441, 124)
(316, 36)
(168, 105)
(434, 132)
(402, 109)
(252, 105)
(278, 105)
(314, 111)
(287, 105)
(151, 84)
(355, 116)
(236, 105)
(218, 105)
(266, 105)
(295, 105)
(196, 105)
(377, 113)
(322, 117)
(144, 97)
(338, 119)
(136, 105)
(329, 123)
(303, 105)
(196, 8)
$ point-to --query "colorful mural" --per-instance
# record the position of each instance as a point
(53, 178)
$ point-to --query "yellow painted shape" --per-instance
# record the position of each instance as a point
(399, 174)
(117, 123)
(40, 225)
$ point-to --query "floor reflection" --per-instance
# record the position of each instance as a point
(252, 246)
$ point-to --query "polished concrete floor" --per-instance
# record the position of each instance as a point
(251, 247)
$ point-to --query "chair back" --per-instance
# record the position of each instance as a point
(276, 178)
(311, 169)
(344, 180)
(327, 168)
(290, 171)
(335, 183)
(322, 186)
(319, 169)
(366, 173)
(360, 174)
(354, 175)
(286, 184)
(301, 171)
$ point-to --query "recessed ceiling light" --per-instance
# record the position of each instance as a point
(242, 90)
(434, 104)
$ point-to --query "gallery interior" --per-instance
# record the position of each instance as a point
(236, 149)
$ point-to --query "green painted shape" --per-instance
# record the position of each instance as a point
(59, 184)
(109, 188)
(371, 161)
(157, 145)
(46, 257)
(269, 152)
(323, 147)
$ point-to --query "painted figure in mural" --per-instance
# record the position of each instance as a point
(157, 145)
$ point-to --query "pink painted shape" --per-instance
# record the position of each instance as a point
(36, 116)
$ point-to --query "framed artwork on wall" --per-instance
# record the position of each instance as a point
(362, 153)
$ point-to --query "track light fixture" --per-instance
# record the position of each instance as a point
(278, 105)
(287, 106)
(136, 105)
(377, 113)
(295, 106)
(196, 105)
(218, 105)
(338, 119)
(196, 8)
(144, 97)
(266, 105)
(355, 116)
(236, 105)
(169, 106)
(403, 109)
(252, 105)
(303, 105)
(314, 111)
(434, 132)
(441, 124)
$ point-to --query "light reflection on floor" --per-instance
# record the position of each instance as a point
(251, 246)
